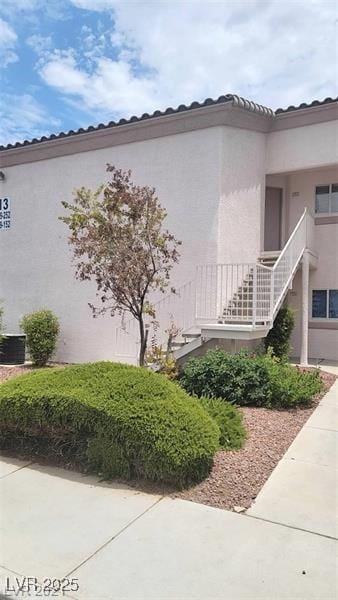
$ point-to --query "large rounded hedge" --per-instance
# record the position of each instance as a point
(130, 422)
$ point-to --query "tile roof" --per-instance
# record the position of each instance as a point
(306, 105)
(233, 98)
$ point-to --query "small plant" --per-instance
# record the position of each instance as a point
(164, 360)
(279, 336)
(42, 330)
(229, 420)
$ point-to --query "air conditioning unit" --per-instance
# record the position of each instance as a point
(12, 349)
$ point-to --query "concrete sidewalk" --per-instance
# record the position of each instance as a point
(302, 490)
(117, 543)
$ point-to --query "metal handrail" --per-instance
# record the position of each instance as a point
(290, 239)
(232, 292)
(291, 259)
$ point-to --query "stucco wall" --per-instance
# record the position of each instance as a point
(323, 343)
(241, 214)
(302, 148)
(35, 266)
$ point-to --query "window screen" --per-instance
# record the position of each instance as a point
(334, 198)
(319, 304)
(333, 304)
(322, 204)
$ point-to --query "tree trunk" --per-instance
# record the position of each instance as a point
(143, 341)
(169, 346)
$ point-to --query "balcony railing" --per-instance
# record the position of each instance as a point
(245, 293)
(233, 293)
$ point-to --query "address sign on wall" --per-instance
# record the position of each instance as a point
(5, 213)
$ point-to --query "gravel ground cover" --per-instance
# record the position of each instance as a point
(9, 372)
(237, 476)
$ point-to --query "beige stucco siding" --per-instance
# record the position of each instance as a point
(35, 260)
(302, 148)
(242, 195)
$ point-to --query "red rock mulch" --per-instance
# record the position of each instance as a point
(238, 476)
(9, 372)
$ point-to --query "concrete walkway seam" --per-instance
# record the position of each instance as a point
(114, 537)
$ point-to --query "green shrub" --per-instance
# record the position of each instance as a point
(290, 386)
(234, 377)
(250, 380)
(229, 420)
(278, 338)
(42, 330)
(134, 423)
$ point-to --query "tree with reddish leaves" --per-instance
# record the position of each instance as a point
(118, 240)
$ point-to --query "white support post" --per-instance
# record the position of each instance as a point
(254, 296)
(305, 310)
(272, 296)
(195, 302)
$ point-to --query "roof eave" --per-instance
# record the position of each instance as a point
(164, 125)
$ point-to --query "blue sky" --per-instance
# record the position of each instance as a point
(66, 64)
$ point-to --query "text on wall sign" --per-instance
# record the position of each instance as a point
(5, 213)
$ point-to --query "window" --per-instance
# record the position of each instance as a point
(319, 304)
(334, 197)
(333, 304)
(326, 198)
(325, 304)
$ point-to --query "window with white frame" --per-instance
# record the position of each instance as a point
(325, 304)
(326, 198)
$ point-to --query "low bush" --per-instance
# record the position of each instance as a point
(229, 420)
(42, 330)
(117, 419)
(234, 377)
(278, 338)
(249, 380)
(289, 386)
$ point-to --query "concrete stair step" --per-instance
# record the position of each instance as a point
(178, 344)
(191, 333)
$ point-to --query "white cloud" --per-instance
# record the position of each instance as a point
(8, 39)
(276, 53)
(7, 34)
(22, 117)
(94, 4)
(112, 84)
(28, 9)
(10, 6)
(39, 43)
(19, 4)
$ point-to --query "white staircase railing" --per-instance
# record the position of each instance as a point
(248, 293)
(285, 267)
(251, 293)
(233, 292)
